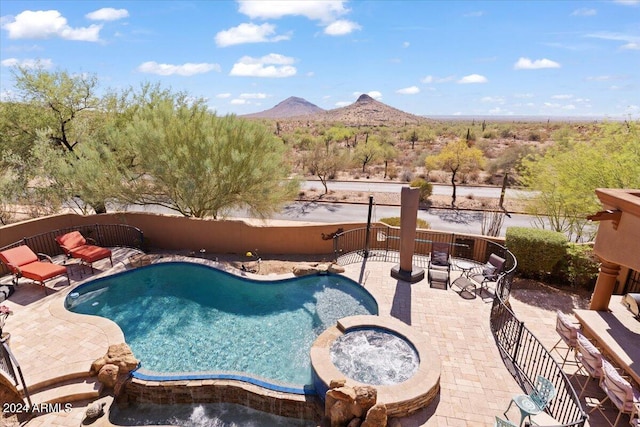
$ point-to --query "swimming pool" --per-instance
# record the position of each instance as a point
(185, 320)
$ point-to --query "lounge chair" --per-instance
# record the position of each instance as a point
(75, 245)
(23, 262)
(439, 269)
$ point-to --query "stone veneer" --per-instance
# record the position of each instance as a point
(227, 391)
(400, 399)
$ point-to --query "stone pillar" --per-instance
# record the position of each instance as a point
(605, 286)
(409, 200)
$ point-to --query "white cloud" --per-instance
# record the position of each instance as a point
(524, 95)
(528, 64)
(325, 11)
(342, 103)
(253, 95)
(341, 27)
(627, 2)
(473, 78)
(493, 99)
(187, 69)
(412, 90)
(248, 33)
(223, 95)
(630, 46)
(238, 101)
(569, 107)
(107, 14)
(433, 79)
(563, 96)
(272, 65)
(374, 94)
(583, 11)
(475, 14)
(44, 24)
(28, 63)
(406, 44)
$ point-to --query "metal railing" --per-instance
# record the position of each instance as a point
(525, 357)
(382, 243)
(10, 366)
(108, 235)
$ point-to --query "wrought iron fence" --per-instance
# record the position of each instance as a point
(382, 243)
(104, 234)
(10, 366)
(525, 357)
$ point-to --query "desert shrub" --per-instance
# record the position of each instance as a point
(537, 251)
(534, 136)
(394, 221)
(506, 133)
(392, 172)
(407, 175)
(426, 189)
(489, 134)
(579, 267)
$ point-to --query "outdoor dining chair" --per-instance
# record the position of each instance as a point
(439, 267)
(568, 331)
(503, 423)
(534, 402)
(619, 391)
(490, 272)
(589, 360)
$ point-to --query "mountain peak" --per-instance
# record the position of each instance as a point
(290, 107)
(364, 98)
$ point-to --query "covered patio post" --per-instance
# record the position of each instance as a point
(409, 199)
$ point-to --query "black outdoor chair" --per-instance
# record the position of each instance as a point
(491, 272)
(439, 269)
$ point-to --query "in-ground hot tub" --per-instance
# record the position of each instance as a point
(404, 383)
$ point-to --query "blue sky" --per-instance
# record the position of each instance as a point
(525, 58)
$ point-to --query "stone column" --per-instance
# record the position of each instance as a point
(409, 200)
(605, 286)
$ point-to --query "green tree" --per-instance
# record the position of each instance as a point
(324, 161)
(189, 160)
(368, 152)
(566, 175)
(458, 158)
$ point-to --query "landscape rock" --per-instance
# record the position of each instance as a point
(340, 414)
(366, 398)
(108, 375)
(376, 416)
(94, 410)
(356, 422)
(119, 355)
(304, 270)
(340, 382)
(336, 269)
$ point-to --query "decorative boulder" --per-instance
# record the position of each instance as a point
(304, 270)
(366, 398)
(335, 268)
(340, 414)
(108, 375)
(340, 382)
(94, 410)
(356, 422)
(119, 355)
(376, 416)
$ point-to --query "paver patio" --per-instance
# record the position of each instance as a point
(475, 385)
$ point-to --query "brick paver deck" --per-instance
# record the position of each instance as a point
(475, 385)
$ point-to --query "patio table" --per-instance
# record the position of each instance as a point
(617, 332)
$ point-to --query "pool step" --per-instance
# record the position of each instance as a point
(66, 390)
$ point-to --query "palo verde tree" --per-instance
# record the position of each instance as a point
(566, 176)
(456, 157)
(324, 160)
(57, 109)
(196, 163)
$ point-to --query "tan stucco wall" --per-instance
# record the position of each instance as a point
(216, 236)
(622, 245)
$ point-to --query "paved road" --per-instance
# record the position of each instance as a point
(439, 219)
(394, 187)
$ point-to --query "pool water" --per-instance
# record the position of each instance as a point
(189, 318)
(199, 415)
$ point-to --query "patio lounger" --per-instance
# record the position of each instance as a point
(23, 262)
(75, 246)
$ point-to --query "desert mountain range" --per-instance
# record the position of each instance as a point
(365, 111)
